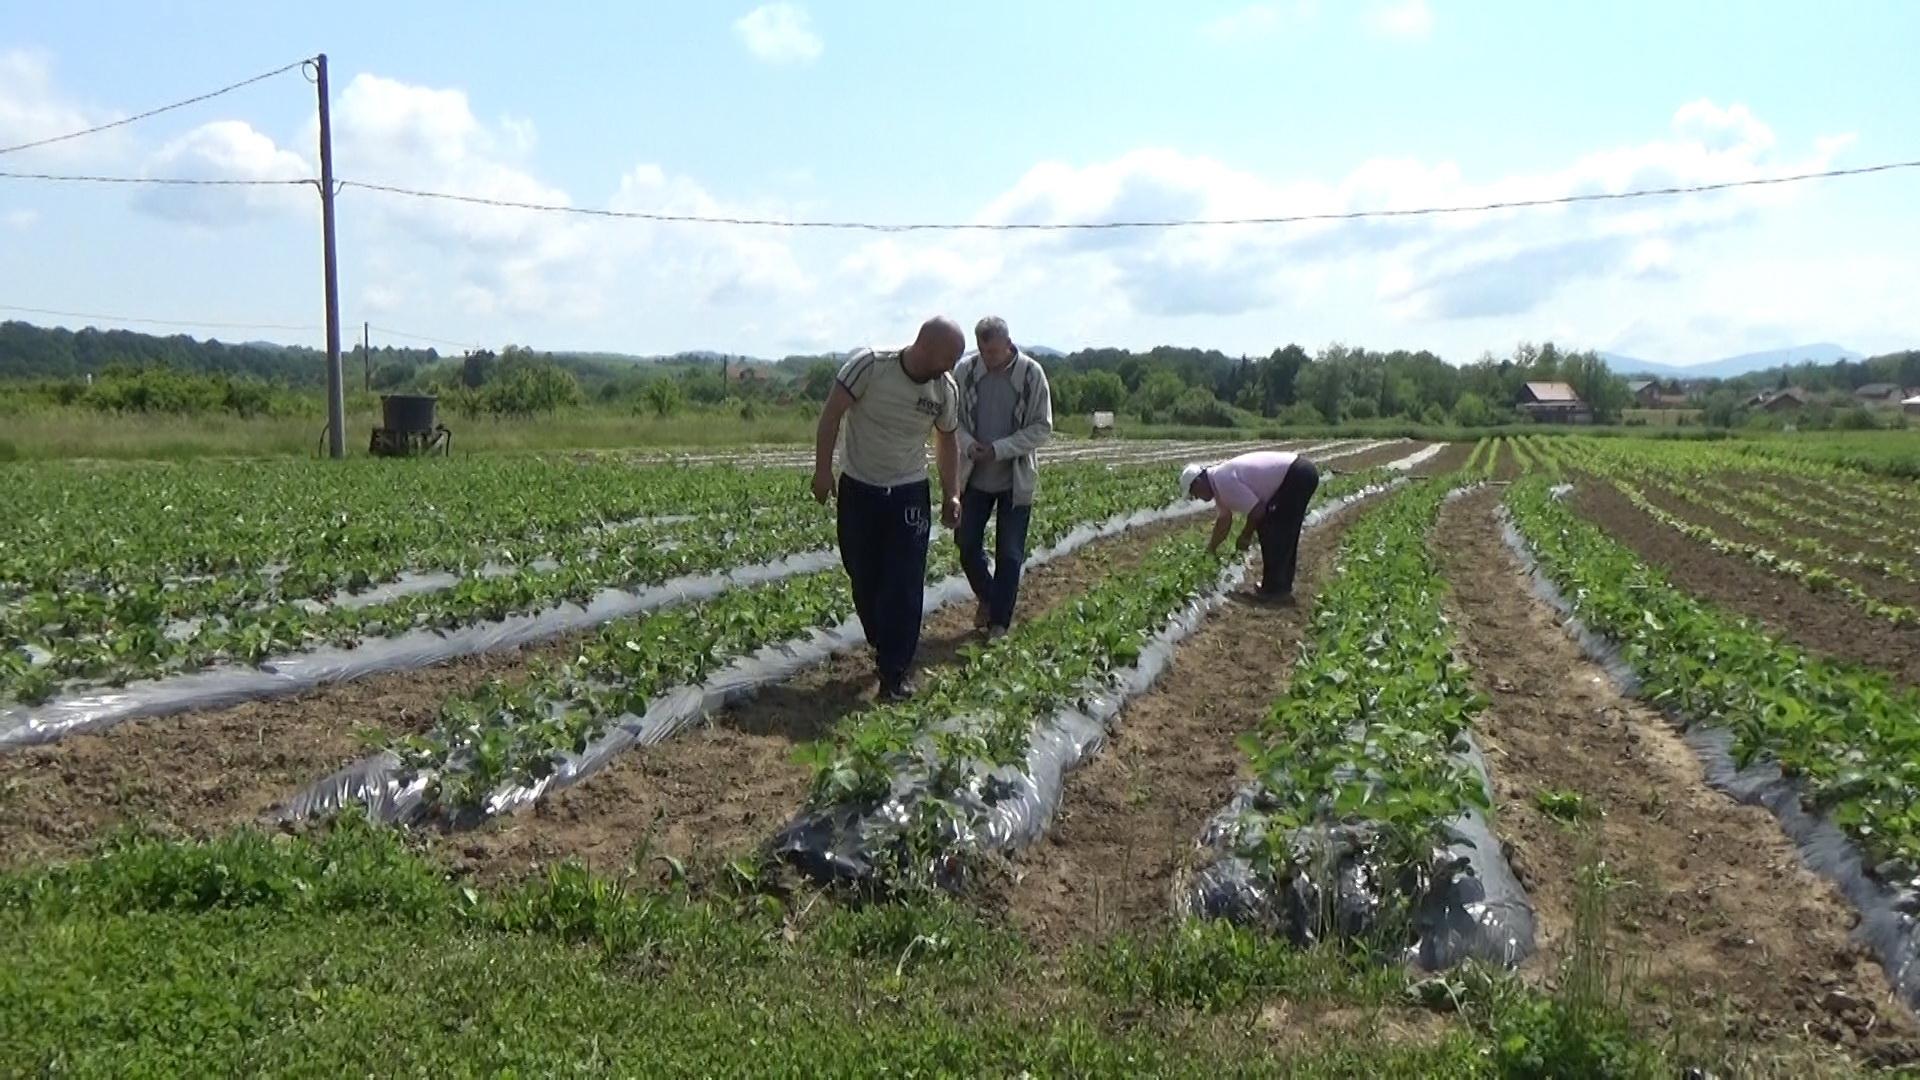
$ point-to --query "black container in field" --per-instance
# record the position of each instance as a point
(409, 427)
(407, 412)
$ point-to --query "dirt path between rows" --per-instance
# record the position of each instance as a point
(190, 771)
(1829, 626)
(720, 790)
(1719, 921)
(1129, 819)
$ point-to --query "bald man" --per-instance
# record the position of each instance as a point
(890, 400)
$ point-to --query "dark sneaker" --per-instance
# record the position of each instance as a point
(1275, 598)
(981, 616)
(895, 690)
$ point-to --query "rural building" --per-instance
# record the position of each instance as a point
(1647, 394)
(1881, 394)
(1912, 404)
(746, 373)
(1554, 403)
(1789, 400)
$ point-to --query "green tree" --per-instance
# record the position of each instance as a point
(476, 368)
(817, 385)
(1067, 391)
(1102, 391)
(662, 396)
(1471, 410)
(1157, 393)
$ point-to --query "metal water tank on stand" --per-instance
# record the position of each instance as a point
(410, 427)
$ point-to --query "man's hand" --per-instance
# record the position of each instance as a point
(980, 453)
(822, 485)
(1245, 542)
(950, 512)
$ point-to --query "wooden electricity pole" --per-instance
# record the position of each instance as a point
(336, 391)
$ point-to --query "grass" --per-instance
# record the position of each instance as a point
(85, 433)
(343, 952)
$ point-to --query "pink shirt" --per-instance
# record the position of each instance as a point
(1244, 482)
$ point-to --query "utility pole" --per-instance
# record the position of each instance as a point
(336, 392)
(366, 355)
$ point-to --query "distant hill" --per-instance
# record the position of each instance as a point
(1732, 366)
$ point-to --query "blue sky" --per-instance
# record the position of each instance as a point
(997, 112)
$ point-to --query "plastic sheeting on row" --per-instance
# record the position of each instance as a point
(390, 792)
(1889, 915)
(1417, 458)
(1003, 808)
(1467, 902)
(96, 709)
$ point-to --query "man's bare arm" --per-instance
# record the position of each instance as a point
(838, 402)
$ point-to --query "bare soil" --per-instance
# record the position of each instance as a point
(1715, 920)
(197, 770)
(1130, 818)
(1825, 625)
(720, 791)
(1452, 459)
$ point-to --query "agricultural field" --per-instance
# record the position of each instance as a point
(1572, 756)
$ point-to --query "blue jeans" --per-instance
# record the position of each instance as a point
(883, 544)
(999, 588)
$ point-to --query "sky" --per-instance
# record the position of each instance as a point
(988, 112)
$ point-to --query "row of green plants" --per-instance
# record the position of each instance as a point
(1815, 578)
(341, 525)
(982, 714)
(1768, 503)
(1869, 522)
(1375, 716)
(514, 733)
(1783, 522)
(71, 638)
(1846, 732)
(135, 644)
(1684, 484)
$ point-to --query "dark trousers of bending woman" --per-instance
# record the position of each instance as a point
(1280, 524)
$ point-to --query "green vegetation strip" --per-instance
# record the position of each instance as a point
(1846, 733)
(344, 954)
(1376, 712)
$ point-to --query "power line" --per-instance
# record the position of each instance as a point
(155, 322)
(423, 337)
(196, 99)
(1166, 223)
(173, 181)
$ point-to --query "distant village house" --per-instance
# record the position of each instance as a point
(1880, 395)
(1554, 403)
(1789, 400)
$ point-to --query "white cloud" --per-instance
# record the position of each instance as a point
(1403, 18)
(32, 109)
(779, 33)
(20, 220)
(1424, 269)
(502, 261)
(1257, 22)
(225, 150)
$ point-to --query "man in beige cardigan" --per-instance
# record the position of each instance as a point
(1006, 414)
